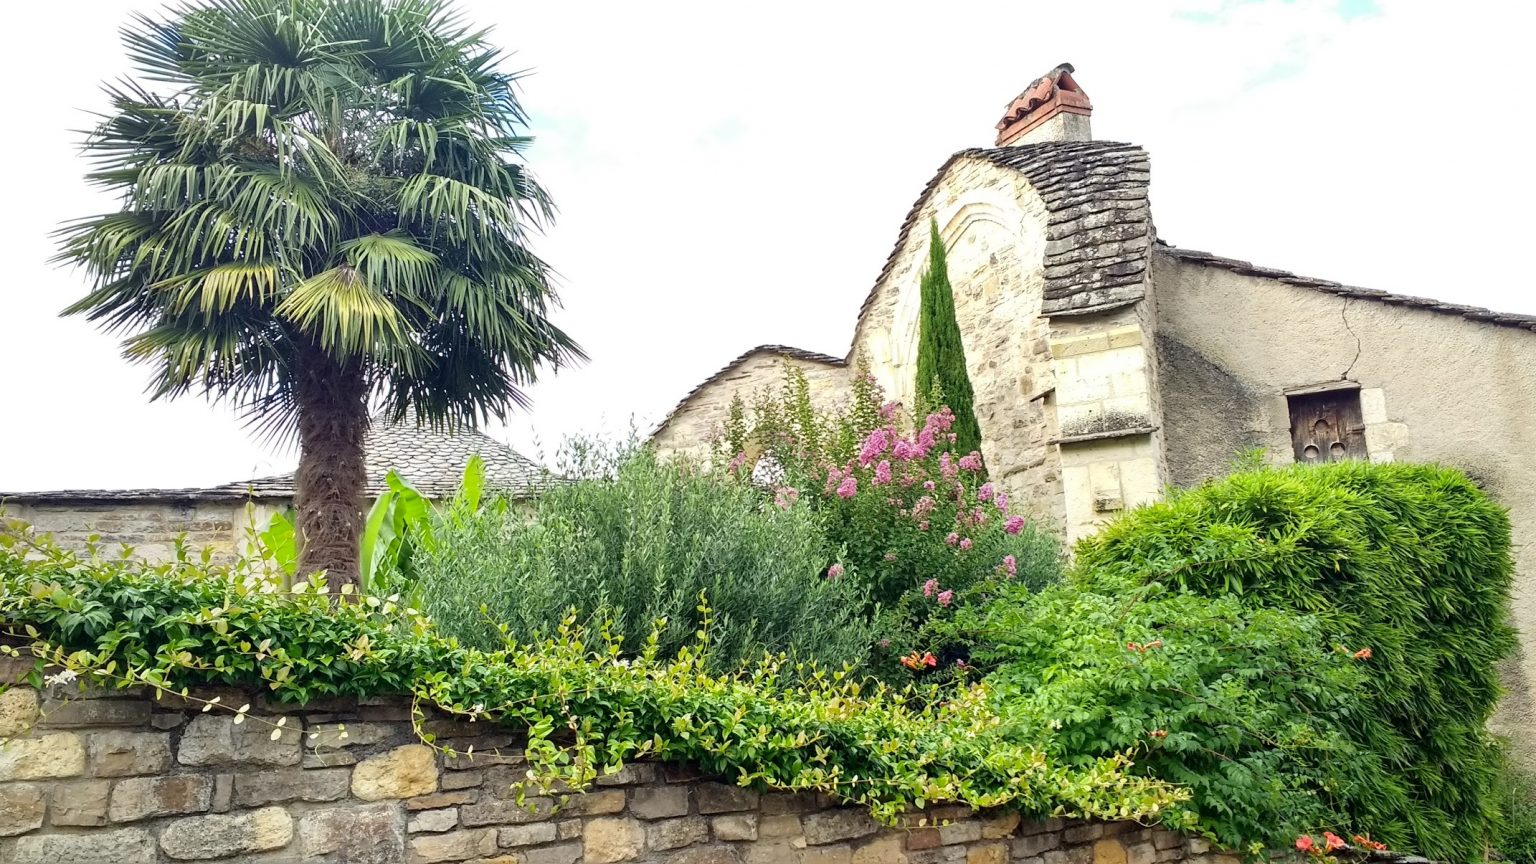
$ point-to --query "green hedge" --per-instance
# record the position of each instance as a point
(1410, 563)
(583, 707)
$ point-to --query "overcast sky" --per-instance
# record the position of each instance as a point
(730, 175)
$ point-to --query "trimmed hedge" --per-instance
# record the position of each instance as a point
(1409, 563)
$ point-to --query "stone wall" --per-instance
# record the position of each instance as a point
(151, 527)
(119, 777)
(691, 428)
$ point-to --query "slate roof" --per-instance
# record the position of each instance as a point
(1476, 313)
(431, 460)
(1099, 230)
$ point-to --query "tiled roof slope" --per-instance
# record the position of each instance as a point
(431, 460)
(1476, 313)
(1100, 226)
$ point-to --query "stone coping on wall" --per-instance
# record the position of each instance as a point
(117, 776)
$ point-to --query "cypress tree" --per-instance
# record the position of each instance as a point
(940, 353)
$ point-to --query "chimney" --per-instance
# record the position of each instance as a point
(1051, 108)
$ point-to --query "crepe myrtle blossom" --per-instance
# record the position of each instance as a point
(848, 488)
(930, 587)
(882, 473)
(952, 538)
(971, 461)
(965, 543)
(985, 492)
(945, 597)
(1011, 565)
(834, 571)
(1014, 525)
(875, 444)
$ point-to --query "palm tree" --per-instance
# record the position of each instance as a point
(323, 213)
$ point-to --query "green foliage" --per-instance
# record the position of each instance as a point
(332, 174)
(1514, 837)
(1409, 564)
(906, 517)
(277, 543)
(940, 350)
(582, 707)
(1247, 708)
(639, 540)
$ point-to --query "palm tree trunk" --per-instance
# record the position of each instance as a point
(328, 488)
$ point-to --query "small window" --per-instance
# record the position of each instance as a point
(1326, 424)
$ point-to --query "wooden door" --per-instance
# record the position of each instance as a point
(1327, 427)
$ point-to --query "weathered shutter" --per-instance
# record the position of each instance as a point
(1327, 427)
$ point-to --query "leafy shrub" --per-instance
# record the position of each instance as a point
(582, 709)
(1409, 565)
(910, 520)
(1514, 837)
(1246, 707)
(639, 541)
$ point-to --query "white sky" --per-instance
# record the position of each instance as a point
(732, 175)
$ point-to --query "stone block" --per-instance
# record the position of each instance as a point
(598, 803)
(632, 774)
(21, 808)
(443, 799)
(455, 780)
(773, 827)
(723, 798)
(528, 835)
(127, 846)
(676, 833)
(18, 711)
(212, 739)
(987, 853)
(434, 821)
(778, 803)
(716, 854)
(608, 839)
(1031, 845)
(223, 793)
(404, 772)
(507, 812)
(329, 759)
(1141, 853)
(333, 736)
(77, 713)
(1167, 839)
(453, 846)
(832, 826)
(49, 757)
(568, 829)
(290, 784)
(365, 834)
(167, 720)
(659, 802)
(839, 853)
(923, 838)
(146, 797)
(776, 852)
(79, 803)
(884, 849)
(1083, 833)
(221, 835)
(959, 832)
(560, 853)
(125, 754)
(735, 826)
(996, 826)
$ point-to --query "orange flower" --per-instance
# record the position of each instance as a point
(1363, 654)
(1159, 733)
(1334, 841)
(1366, 841)
(1304, 843)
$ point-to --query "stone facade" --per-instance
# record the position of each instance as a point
(153, 528)
(118, 777)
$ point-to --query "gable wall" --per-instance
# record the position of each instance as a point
(1435, 388)
(993, 225)
(692, 428)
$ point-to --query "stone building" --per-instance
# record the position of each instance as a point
(1109, 365)
(226, 517)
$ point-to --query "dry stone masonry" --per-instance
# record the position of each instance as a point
(119, 778)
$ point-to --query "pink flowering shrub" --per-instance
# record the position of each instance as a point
(906, 517)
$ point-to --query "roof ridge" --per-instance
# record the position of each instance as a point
(1475, 313)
